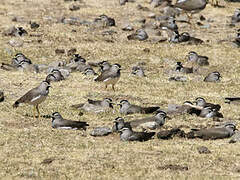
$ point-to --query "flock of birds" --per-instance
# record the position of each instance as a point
(111, 73)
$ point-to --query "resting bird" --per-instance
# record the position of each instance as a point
(225, 131)
(127, 108)
(59, 123)
(127, 134)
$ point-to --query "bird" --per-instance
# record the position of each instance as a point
(58, 75)
(95, 106)
(59, 123)
(200, 60)
(110, 76)
(224, 131)
(24, 66)
(127, 134)
(77, 63)
(35, 97)
(168, 134)
(1, 96)
(151, 123)
(104, 20)
(236, 16)
(138, 71)
(89, 72)
(101, 131)
(104, 66)
(202, 103)
(213, 77)
(237, 38)
(140, 35)
(232, 100)
(186, 107)
(54, 76)
(169, 24)
(209, 112)
(179, 68)
(191, 6)
(190, 40)
(19, 57)
(235, 138)
(127, 108)
(119, 123)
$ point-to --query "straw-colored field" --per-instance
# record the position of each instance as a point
(25, 143)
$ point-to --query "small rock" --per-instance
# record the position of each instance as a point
(140, 7)
(127, 27)
(1, 96)
(71, 51)
(74, 8)
(47, 161)
(59, 51)
(101, 131)
(178, 78)
(16, 42)
(173, 167)
(202, 18)
(34, 25)
(152, 15)
(203, 150)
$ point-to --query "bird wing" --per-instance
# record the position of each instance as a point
(137, 122)
(141, 136)
(94, 102)
(212, 133)
(149, 110)
(29, 96)
(73, 124)
(105, 75)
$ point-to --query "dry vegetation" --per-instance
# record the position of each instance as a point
(32, 149)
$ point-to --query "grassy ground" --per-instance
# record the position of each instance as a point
(27, 145)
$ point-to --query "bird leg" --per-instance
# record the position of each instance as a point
(113, 87)
(34, 112)
(189, 17)
(38, 111)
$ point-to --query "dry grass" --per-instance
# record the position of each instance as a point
(25, 143)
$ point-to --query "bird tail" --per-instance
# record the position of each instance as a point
(16, 104)
(149, 110)
(76, 106)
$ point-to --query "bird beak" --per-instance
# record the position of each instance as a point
(168, 117)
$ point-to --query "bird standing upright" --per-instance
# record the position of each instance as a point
(35, 96)
(192, 6)
(110, 76)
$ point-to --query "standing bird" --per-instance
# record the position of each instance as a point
(213, 77)
(35, 96)
(191, 6)
(59, 123)
(110, 76)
